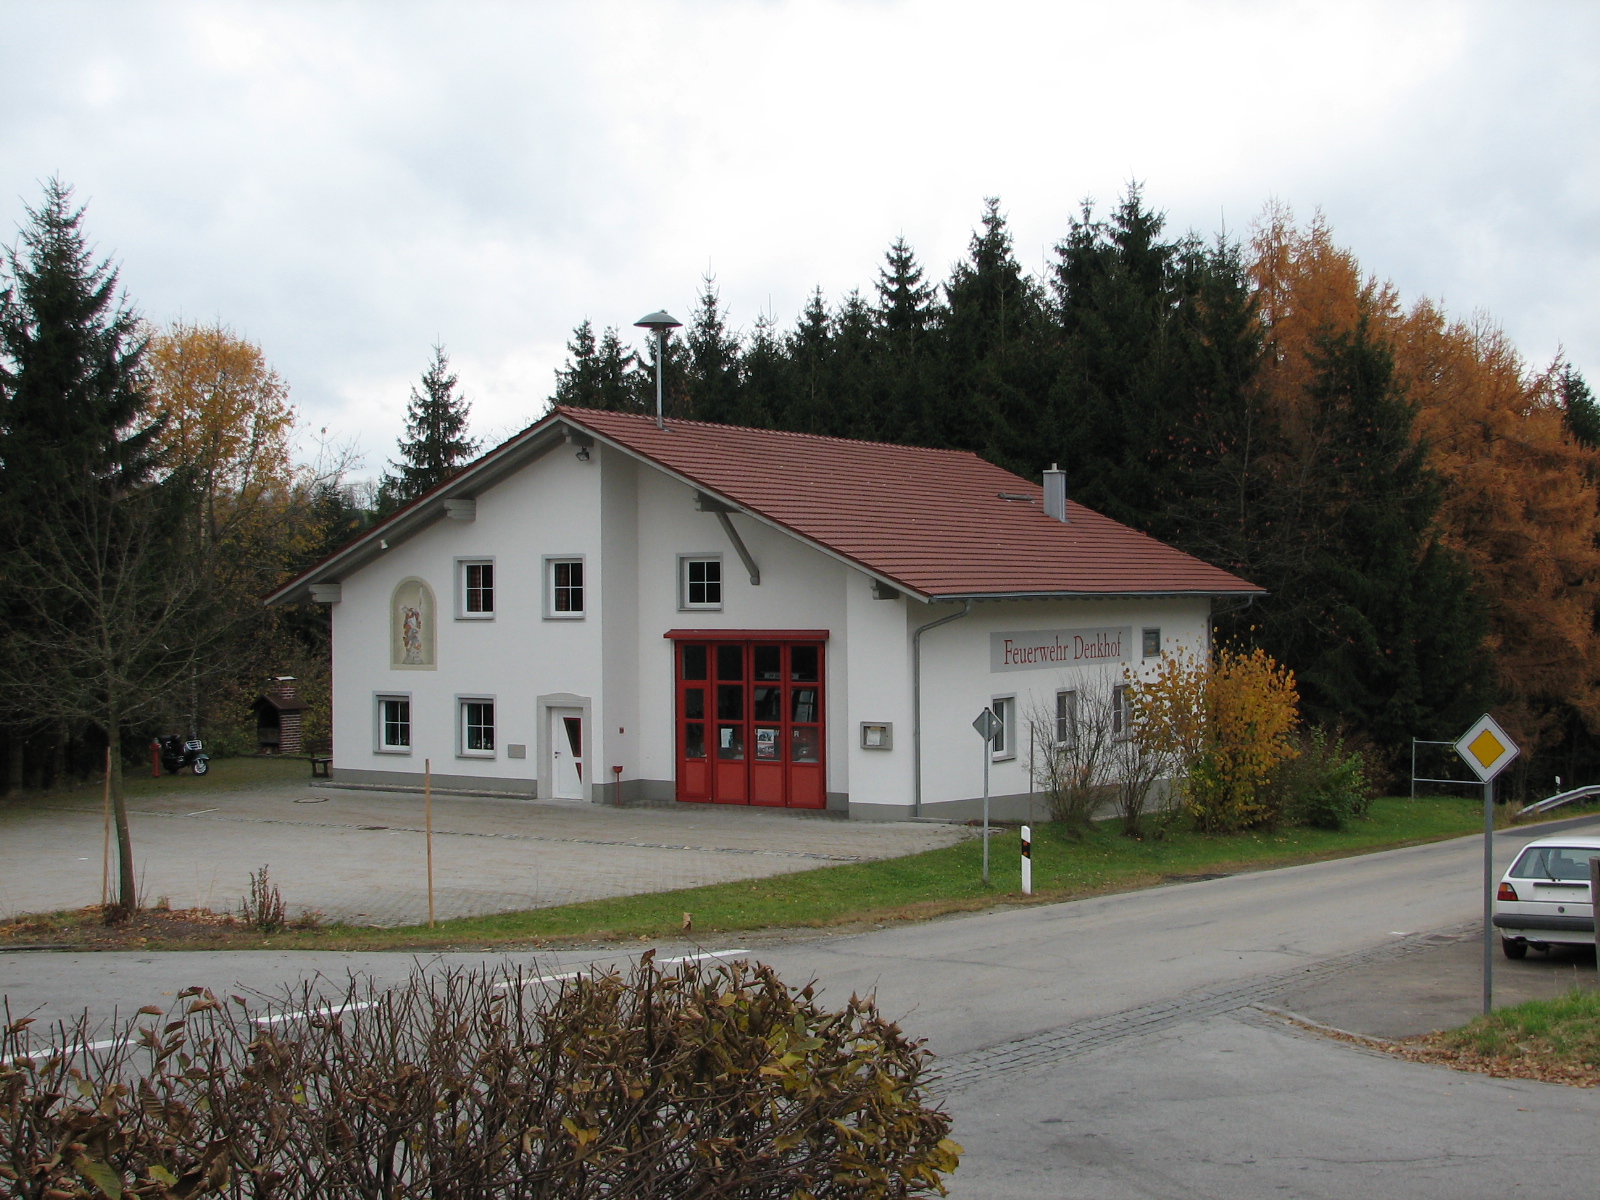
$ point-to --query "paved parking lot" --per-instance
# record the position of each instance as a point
(360, 856)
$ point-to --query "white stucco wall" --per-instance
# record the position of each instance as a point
(631, 523)
(550, 508)
(801, 588)
(958, 681)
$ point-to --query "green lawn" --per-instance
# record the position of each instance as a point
(1567, 1027)
(226, 774)
(928, 884)
(1557, 1041)
(915, 887)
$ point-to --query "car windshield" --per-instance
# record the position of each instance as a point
(1555, 862)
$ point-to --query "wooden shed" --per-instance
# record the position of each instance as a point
(279, 715)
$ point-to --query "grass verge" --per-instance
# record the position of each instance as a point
(226, 775)
(916, 887)
(1556, 1041)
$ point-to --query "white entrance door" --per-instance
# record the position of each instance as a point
(566, 753)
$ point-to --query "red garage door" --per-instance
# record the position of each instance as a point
(749, 719)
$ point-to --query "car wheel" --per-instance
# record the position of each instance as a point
(201, 766)
(1514, 948)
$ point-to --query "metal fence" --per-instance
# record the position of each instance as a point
(1416, 779)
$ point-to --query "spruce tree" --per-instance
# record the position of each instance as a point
(1579, 409)
(903, 373)
(992, 373)
(1378, 619)
(905, 303)
(713, 362)
(599, 375)
(71, 409)
(108, 610)
(436, 446)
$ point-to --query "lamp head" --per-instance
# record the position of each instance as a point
(658, 322)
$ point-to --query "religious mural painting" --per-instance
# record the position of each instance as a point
(411, 626)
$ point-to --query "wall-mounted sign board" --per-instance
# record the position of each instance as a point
(1035, 649)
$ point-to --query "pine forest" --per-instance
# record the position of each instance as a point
(1421, 504)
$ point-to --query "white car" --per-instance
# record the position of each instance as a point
(1544, 898)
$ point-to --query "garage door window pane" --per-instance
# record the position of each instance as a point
(694, 662)
(803, 664)
(806, 745)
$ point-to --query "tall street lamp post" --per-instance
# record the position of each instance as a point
(658, 323)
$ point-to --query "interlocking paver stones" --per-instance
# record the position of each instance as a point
(360, 856)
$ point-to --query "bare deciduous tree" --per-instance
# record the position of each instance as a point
(118, 622)
(1075, 751)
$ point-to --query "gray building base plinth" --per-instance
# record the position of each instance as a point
(1001, 808)
(411, 781)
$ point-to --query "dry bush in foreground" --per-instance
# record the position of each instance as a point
(704, 1082)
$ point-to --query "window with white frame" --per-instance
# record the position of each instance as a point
(1067, 718)
(700, 581)
(1001, 745)
(564, 588)
(394, 724)
(477, 726)
(475, 581)
(1152, 643)
(1121, 717)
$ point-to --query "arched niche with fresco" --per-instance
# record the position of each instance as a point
(412, 626)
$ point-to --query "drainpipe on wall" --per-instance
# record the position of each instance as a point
(916, 704)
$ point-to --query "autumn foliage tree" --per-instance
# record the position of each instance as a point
(1514, 499)
(1224, 723)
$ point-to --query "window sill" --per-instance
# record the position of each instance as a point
(482, 754)
(400, 750)
(474, 616)
(577, 616)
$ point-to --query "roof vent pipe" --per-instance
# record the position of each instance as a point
(1055, 493)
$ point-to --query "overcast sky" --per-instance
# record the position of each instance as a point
(346, 183)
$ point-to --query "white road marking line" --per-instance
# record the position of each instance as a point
(334, 1010)
(663, 961)
(704, 954)
(505, 983)
(331, 1011)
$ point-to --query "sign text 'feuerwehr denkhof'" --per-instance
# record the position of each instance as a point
(1041, 648)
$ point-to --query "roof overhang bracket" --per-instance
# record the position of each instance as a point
(710, 504)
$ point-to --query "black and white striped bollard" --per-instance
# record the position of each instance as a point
(1027, 861)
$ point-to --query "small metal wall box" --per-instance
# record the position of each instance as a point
(877, 735)
(514, 750)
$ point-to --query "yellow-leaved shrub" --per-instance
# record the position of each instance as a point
(1223, 724)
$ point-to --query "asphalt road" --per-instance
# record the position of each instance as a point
(1110, 1048)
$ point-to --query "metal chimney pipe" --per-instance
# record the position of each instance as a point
(1055, 493)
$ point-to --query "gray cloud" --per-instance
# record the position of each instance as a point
(347, 183)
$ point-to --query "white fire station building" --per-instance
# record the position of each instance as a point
(605, 610)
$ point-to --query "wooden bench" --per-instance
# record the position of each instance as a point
(320, 767)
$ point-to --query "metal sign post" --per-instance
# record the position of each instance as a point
(1487, 750)
(987, 726)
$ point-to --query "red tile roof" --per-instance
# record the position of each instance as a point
(932, 521)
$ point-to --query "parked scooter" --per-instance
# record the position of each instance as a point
(176, 754)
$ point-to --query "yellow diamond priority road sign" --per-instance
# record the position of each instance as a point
(1486, 748)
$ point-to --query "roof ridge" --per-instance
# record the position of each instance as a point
(788, 433)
